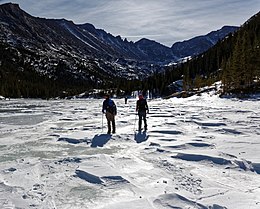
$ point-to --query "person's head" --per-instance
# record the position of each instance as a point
(106, 96)
(140, 96)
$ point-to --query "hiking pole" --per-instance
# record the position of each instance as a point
(135, 121)
(102, 121)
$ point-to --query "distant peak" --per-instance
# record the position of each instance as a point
(229, 26)
(144, 40)
(10, 5)
(87, 26)
(66, 21)
(225, 28)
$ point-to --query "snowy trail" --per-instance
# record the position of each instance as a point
(199, 152)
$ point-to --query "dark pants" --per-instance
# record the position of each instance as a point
(110, 119)
(142, 116)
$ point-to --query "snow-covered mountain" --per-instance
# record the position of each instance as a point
(51, 41)
(201, 44)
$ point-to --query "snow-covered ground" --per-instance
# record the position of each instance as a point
(199, 152)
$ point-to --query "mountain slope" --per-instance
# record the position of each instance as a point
(201, 44)
(28, 30)
(235, 61)
(72, 54)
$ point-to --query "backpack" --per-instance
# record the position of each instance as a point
(142, 104)
(111, 107)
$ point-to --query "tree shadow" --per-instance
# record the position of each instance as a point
(141, 137)
(100, 140)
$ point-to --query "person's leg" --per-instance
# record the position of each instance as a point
(108, 126)
(113, 126)
(145, 122)
(108, 123)
(140, 121)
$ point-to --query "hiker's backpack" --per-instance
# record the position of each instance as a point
(142, 105)
(111, 107)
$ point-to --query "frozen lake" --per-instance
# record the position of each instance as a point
(199, 152)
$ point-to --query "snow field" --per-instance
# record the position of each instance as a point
(199, 152)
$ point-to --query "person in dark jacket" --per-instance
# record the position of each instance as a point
(109, 108)
(142, 109)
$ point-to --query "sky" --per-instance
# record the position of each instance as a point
(165, 21)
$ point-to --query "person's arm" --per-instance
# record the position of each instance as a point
(115, 109)
(137, 106)
(147, 108)
(103, 107)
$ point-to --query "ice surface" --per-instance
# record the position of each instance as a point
(198, 152)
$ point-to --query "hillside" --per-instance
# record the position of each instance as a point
(46, 57)
(235, 61)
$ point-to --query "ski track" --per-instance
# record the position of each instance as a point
(199, 152)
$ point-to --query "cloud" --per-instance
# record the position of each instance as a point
(165, 21)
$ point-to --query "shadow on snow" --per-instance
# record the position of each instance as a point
(100, 140)
(141, 137)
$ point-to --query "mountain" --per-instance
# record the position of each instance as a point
(78, 54)
(201, 44)
(62, 40)
(235, 61)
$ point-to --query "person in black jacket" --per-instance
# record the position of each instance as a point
(142, 109)
(109, 108)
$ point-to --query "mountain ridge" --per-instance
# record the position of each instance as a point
(62, 50)
(100, 42)
(201, 43)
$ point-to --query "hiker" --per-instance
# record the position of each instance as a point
(142, 109)
(109, 108)
(126, 100)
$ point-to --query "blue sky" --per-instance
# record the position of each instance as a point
(165, 21)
